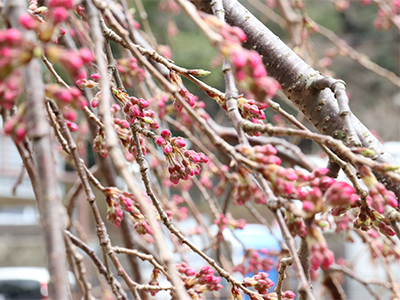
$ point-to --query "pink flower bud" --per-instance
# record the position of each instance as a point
(239, 33)
(320, 172)
(259, 72)
(86, 55)
(27, 21)
(13, 36)
(82, 83)
(72, 126)
(143, 103)
(174, 178)
(59, 14)
(190, 99)
(254, 59)
(96, 77)
(239, 60)
(165, 133)
(326, 182)
(167, 149)
(70, 115)
(391, 199)
(8, 126)
(180, 142)
(20, 133)
(64, 95)
(204, 158)
(308, 206)
(204, 269)
(94, 102)
(74, 61)
(160, 141)
(288, 295)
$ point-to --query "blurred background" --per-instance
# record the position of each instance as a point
(375, 100)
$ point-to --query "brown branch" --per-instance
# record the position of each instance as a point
(293, 74)
(115, 285)
(305, 290)
(231, 92)
(78, 258)
(112, 143)
(353, 275)
(284, 263)
(328, 141)
(142, 256)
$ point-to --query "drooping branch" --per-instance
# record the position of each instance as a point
(296, 77)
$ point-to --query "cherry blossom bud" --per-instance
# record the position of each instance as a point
(72, 126)
(13, 36)
(165, 133)
(87, 56)
(96, 77)
(59, 14)
(27, 21)
(167, 149)
(180, 142)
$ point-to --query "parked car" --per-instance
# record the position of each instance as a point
(26, 283)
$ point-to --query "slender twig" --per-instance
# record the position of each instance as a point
(142, 256)
(353, 275)
(115, 286)
(112, 143)
(284, 263)
(336, 145)
(231, 92)
(19, 180)
(78, 258)
(304, 286)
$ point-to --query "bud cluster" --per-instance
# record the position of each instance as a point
(174, 209)
(384, 19)
(249, 109)
(129, 71)
(99, 143)
(72, 61)
(207, 173)
(177, 82)
(15, 51)
(17, 125)
(255, 261)
(182, 162)
(224, 221)
(379, 196)
(117, 201)
(321, 256)
(10, 90)
(295, 225)
(369, 217)
(154, 281)
(247, 189)
(247, 65)
(260, 282)
(197, 283)
(135, 109)
(308, 188)
(45, 20)
(386, 247)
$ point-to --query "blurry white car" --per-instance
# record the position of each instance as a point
(26, 283)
